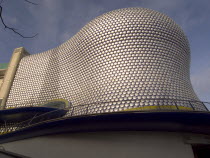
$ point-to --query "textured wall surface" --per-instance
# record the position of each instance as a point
(125, 58)
(104, 144)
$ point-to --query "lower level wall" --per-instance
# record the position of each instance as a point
(104, 145)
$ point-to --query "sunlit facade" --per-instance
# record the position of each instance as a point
(124, 59)
(120, 87)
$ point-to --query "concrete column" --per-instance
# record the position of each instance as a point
(17, 55)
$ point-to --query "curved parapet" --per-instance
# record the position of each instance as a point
(15, 119)
(127, 58)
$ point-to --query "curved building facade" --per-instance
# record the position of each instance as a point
(127, 58)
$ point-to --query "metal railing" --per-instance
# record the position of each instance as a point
(88, 109)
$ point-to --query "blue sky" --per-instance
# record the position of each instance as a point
(58, 20)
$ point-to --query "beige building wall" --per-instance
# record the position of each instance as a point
(2, 73)
(128, 144)
(7, 76)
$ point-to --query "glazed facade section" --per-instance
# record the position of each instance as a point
(123, 59)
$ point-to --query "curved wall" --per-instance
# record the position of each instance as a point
(126, 58)
(132, 144)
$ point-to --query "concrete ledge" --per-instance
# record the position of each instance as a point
(186, 121)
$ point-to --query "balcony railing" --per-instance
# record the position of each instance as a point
(88, 109)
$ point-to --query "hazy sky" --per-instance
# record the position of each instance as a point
(58, 20)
